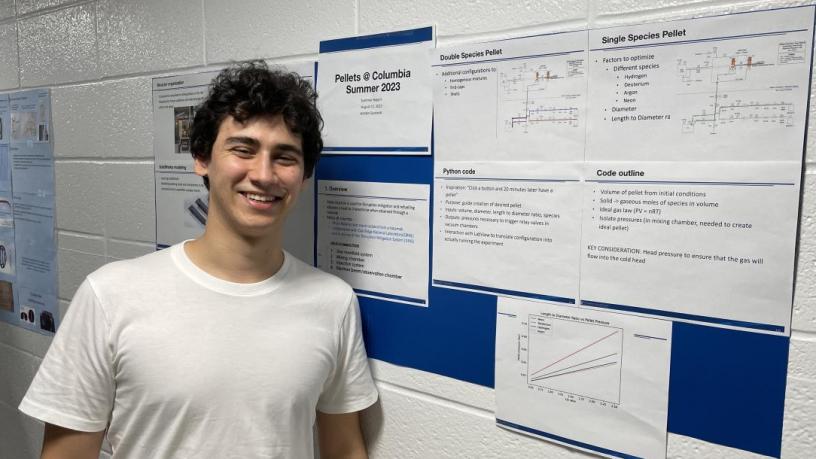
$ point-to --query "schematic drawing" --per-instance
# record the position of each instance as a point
(735, 99)
(532, 97)
(577, 358)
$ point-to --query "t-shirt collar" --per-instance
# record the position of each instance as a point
(211, 282)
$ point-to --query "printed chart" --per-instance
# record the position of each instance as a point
(576, 358)
(581, 377)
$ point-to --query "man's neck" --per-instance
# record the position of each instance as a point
(234, 258)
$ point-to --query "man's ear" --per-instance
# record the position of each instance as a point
(201, 166)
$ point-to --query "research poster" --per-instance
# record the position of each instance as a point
(592, 380)
(375, 93)
(375, 237)
(511, 100)
(653, 168)
(694, 156)
(28, 249)
(508, 228)
(181, 197)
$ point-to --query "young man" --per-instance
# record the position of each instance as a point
(222, 346)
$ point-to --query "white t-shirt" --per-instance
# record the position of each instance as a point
(178, 363)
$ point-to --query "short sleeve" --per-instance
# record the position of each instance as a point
(74, 386)
(350, 387)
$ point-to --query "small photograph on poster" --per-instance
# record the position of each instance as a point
(6, 296)
(6, 257)
(184, 123)
(198, 209)
(6, 214)
(42, 133)
(23, 126)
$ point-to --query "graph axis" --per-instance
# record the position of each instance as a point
(532, 381)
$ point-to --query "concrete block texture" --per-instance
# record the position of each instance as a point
(78, 256)
(31, 6)
(18, 370)
(263, 29)
(680, 447)
(407, 425)
(7, 9)
(799, 430)
(63, 308)
(80, 197)
(632, 6)
(148, 35)
(24, 340)
(124, 250)
(9, 71)
(802, 356)
(804, 297)
(435, 385)
(129, 202)
(119, 113)
(58, 46)
(112, 199)
(465, 16)
(21, 436)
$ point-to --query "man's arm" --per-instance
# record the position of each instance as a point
(340, 436)
(62, 443)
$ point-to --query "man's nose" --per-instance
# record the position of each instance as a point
(263, 170)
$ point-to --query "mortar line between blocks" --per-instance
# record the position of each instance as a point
(23, 351)
(52, 9)
(463, 407)
(803, 335)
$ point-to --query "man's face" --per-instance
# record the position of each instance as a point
(256, 174)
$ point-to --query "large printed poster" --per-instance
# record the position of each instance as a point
(28, 252)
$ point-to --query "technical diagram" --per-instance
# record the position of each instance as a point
(535, 96)
(737, 89)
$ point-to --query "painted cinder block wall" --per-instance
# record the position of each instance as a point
(98, 57)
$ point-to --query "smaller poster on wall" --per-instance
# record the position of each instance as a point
(28, 249)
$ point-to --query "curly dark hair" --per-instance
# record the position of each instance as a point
(251, 89)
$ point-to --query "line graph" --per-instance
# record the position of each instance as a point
(578, 358)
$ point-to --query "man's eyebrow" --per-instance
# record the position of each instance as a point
(252, 142)
(243, 140)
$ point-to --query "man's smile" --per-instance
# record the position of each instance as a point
(262, 197)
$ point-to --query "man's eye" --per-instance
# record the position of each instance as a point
(287, 159)
(242, 151)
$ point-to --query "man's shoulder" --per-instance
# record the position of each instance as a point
(150, 267)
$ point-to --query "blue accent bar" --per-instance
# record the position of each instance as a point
(388, 295)
(161, 246)
(403, 37)
(377, 149)
(579, 444)
(502, 291)
(681, 315)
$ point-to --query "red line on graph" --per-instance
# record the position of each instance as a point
(579, 350)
